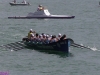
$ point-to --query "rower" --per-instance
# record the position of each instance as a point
(59, 36)
(53, 39)
(63, 37)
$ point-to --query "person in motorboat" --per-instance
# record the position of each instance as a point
(24, 2)
(14, 1)
(40, 7)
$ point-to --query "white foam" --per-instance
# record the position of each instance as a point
(93, 49)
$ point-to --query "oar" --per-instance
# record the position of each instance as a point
(15, 46)
(10, 44)
(80, 46)
(19, 48)
(77, 45)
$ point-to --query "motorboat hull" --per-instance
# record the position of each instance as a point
(42, 14)
(42, 17)
(19, 4)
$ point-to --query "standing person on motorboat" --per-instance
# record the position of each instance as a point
(14, 1)
(24, 2)
(40, 7)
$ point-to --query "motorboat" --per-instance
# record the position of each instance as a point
(19, 4)
(42, 14)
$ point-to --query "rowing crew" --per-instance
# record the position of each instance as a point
(44, 38)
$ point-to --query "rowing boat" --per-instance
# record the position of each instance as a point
(59, 46)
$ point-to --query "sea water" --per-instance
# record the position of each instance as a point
(83, 29)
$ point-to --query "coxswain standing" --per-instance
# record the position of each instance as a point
(30, 34)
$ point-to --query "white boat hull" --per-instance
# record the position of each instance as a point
(42, 14)
(43, 17)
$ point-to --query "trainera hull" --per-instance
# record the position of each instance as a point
(62, 46)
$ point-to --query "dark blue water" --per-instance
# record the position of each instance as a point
(84, 29)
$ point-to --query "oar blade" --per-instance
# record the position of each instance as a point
(15, 46)
(80, 46)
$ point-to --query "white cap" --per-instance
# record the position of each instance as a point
(44, 34)
(59, 34)
(40, 35)
(47, 35)
(32, 34)
(50, 35)
(31, 29)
